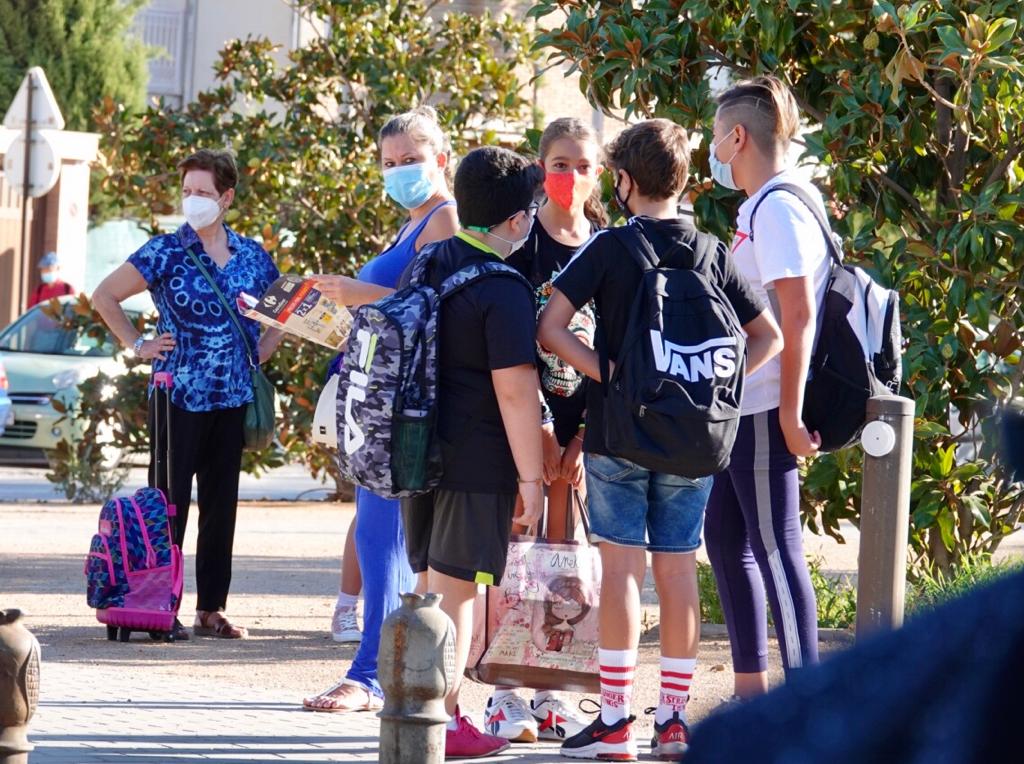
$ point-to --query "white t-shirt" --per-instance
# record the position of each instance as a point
(788, 243)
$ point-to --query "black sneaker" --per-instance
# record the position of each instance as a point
(671, 739)
(603, 742)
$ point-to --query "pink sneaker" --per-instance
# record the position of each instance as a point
(467, 742)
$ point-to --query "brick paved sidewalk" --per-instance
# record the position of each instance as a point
(230, 702)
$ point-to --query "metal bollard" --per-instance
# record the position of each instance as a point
(416, 670)
(888, 441)
(19, 687)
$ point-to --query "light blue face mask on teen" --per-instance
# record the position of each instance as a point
(722, 171)
(410, 185)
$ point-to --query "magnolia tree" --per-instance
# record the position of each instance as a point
(916, 123)
(304, 131)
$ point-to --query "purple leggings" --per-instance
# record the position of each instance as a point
(754, 541)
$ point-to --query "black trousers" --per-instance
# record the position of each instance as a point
(206, 445)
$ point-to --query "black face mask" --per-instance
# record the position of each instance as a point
(623, 203)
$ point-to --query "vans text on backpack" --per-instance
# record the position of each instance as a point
(387, 394)
(134, 570)
(673, 402)
(857, 350)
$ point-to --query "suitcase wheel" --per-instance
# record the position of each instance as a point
(125, 634)
(112, 633)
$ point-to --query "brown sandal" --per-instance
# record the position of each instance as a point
(213, 624)
(330, 701)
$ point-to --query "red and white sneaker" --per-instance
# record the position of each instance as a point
(509, 717)
(467, 742)
(555, 720)
(671, 739)
(603, 742)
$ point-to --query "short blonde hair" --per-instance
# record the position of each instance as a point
(766, 107)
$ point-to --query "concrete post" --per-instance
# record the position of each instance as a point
(888, 441)
(416, 670)
(19, 687)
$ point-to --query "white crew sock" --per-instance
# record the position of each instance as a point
(346, 601)
(617, 667)
(676, 676)
(541, 695)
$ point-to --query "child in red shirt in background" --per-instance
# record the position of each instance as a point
(52, 285)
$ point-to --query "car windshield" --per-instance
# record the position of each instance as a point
(35, 332)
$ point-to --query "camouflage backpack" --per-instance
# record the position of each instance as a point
(387, 394)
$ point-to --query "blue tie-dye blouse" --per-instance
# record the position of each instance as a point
(209, 360)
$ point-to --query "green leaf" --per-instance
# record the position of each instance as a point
(946, 460)
(952, 40)
(1000, 32)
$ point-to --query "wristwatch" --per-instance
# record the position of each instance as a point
(137, 347)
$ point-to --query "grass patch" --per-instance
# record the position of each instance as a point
(836, 597)
(931, 588)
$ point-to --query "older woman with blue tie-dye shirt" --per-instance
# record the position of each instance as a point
(200, 345)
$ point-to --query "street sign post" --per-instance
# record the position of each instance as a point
(31, 161)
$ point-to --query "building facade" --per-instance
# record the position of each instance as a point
(189, 35)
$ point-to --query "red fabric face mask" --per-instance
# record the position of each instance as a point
(560, 188)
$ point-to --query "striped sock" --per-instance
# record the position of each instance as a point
(676, 675)
(617, 668)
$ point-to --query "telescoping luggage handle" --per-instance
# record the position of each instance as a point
(163, 381)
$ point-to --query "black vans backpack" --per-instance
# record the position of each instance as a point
(673, 403)
(857, 350)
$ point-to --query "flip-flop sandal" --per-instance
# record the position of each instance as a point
(223, 630)
(340, 706)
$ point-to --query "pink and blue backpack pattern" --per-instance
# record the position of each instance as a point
(134, 570)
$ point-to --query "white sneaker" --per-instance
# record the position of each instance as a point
(510, 718)
(555, 719)
(345, 626)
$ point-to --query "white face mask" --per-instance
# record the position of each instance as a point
(515, 246)
(200, 211)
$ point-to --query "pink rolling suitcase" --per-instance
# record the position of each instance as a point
(133, 570)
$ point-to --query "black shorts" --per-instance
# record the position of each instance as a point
(463, 535)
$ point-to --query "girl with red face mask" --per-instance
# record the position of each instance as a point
(571, 157)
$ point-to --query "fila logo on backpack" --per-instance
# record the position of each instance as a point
(857, 352)
(387, 391)
(673, 403)
(353, 436)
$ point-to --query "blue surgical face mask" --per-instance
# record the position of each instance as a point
(48, 277)
(722, 171)
(410, 185)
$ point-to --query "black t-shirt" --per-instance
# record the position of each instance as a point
(605, 272)
(488, 325)
(540, 260)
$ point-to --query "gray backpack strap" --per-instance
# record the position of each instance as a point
(465, 277)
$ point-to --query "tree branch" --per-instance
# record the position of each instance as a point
(1004, 164)
(900, 191)
(721, 60)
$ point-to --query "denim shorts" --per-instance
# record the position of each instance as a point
(632, 506)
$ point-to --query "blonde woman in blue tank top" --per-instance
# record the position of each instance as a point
(415, 156)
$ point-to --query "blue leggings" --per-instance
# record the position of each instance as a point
(380, 546)
(755, 543)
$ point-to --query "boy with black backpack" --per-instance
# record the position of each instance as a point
(678, 328)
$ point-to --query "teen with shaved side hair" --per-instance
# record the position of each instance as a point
(752, 528)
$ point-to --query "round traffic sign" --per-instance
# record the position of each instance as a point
(44, 169)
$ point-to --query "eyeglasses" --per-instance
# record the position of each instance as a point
(531, 210)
